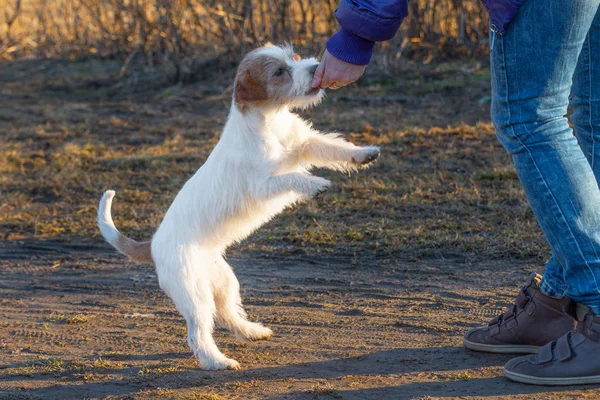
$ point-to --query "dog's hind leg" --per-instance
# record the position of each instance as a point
(230, 312)
(200, 326)
(192, 294)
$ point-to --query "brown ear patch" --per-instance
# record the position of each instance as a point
(249, 87)
(249, 90)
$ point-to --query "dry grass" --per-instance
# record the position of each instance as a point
(74, 319)
(178, 40)
(55, 365)
(324, 390)
(162, 368)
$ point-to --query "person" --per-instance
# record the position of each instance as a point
(544, 57)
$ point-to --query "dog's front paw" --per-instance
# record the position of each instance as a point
(365, 156)
(319, 186)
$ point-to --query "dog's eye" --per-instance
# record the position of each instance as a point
(280, 72)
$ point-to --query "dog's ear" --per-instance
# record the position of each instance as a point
(248, 89)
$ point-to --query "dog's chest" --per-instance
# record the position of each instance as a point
(285, 151)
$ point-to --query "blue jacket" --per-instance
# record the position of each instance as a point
(365, 22)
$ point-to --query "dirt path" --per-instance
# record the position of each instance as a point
(78, 321)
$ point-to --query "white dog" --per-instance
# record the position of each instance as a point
(259, 167)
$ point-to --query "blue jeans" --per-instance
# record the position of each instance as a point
(548, 60)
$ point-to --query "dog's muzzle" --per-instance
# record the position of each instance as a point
(312, 91)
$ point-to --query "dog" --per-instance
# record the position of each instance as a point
(259, 167)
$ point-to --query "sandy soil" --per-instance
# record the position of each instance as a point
(79, 322)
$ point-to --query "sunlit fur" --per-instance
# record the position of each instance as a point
(259, 166)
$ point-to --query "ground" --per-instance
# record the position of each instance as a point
(368, 289)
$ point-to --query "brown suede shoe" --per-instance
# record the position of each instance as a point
(573, 359)
(534, 320)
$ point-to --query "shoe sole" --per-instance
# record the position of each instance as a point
(501, 348)
(534, 380)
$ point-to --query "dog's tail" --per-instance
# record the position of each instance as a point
(139, 251)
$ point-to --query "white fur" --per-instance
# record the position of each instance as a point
(259, 166)
(105, 222)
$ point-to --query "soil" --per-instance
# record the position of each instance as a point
(362, 331)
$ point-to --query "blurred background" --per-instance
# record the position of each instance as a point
(177, 39)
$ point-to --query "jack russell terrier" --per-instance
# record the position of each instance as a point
(259, 166)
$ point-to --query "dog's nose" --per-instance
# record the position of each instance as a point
(313, 69)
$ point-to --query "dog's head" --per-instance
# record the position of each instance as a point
(274, 76)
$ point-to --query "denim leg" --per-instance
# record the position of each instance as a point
(585, 97)
(553, 283)
(532, 69)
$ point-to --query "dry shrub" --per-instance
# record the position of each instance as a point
(178, 37)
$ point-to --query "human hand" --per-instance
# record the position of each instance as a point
(334, 73)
